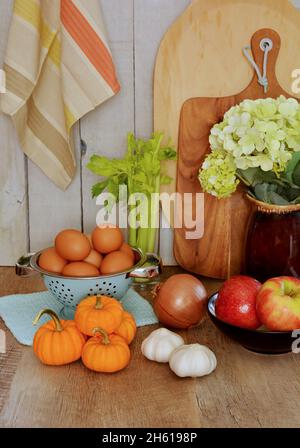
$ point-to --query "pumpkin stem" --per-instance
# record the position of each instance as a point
(99, 304)
(104, 335)
(54, 317)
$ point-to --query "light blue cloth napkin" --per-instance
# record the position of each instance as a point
(18, 311)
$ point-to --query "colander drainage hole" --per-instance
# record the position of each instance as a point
(69, 290)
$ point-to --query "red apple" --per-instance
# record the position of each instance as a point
(236, 303)
(278, 304)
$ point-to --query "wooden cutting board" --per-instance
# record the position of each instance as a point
(201, 56)
(219, 253)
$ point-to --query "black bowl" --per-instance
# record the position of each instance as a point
(259, 341)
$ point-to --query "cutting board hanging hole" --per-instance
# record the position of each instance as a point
(266, 43)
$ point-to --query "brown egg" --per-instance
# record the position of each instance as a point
(115, 262)
(80, 269)
(107, 239)
(50, 261)
(127, 250)
(72, 245)
(94, 258)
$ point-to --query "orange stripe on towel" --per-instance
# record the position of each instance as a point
(89, 42)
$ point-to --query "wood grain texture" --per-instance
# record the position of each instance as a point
(246, 390)
(13, 200)
(220, 252)
(201, 55)
(9, 362)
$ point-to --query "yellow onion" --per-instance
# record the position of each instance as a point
(180, 302)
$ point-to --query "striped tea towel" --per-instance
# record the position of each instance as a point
(58, 67)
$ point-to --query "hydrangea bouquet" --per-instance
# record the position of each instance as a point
(258, 143)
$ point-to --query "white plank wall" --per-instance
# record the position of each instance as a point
(105, 129)
(49, 208)
(152, 18)
(32, 209)
(13, 189)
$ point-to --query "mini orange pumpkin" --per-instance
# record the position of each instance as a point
(105, 353)
(127, 329)
(98, 311)
(57, 342)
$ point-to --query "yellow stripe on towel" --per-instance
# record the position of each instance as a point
(70, 118)
(55, 51)
(47, 35)
(29, 10)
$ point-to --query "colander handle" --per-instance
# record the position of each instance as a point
(23, 267)
(151, 268)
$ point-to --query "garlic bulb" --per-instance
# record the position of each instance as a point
(159, 345)
(192, 361)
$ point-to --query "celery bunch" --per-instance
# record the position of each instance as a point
(140, 171)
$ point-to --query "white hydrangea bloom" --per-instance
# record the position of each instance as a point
(260, 133)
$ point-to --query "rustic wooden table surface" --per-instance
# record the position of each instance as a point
(246, 390)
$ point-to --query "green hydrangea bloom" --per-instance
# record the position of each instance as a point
(261, 133)
(218, 174)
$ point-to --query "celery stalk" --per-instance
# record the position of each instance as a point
(154, 218)
(132, 234)
(142, 241)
